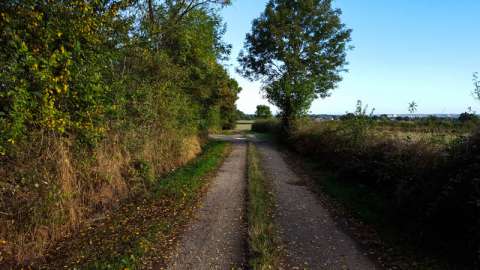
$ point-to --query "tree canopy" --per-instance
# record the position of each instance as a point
(297, 48)
(77, 67)
(263, 112)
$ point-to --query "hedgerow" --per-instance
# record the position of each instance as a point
(431, 192)
(97, 100)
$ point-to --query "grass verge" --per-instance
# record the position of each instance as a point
(263, 243)
(142, 232)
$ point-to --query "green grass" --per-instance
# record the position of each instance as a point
(244, 125)
(246, 121)
(263, 243)
(144, 230)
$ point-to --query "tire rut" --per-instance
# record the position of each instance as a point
(310, 236)
(216, 237)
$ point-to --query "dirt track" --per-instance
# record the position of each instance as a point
(311, 238)
(216, 237)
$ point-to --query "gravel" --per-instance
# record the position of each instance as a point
(215, 239)
(310, 236)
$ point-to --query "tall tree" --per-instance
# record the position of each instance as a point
(263, 112)
(189, 33)
(298, 49)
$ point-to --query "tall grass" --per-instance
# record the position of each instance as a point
(265, 253)
(53, 185)
(144, 227)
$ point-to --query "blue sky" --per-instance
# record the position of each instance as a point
(422, 50)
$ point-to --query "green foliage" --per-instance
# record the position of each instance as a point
(466, 117)
(370, 206)
(298, 49)
(53, 56)
(241, 115)
(228, 109)
(357, 124)
(266, 126)
(73, 68)
(135, 81)
(412, 107)
(476, 85)
(191, 37)
(263, 112)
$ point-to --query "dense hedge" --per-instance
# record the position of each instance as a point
(72, 68)
(266, 126)
(433, 193)
(98, 99)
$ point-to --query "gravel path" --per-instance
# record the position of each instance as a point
(216, 237)
(310, 237)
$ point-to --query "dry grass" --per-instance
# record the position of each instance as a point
(439, 137)
(244, 125)
(141, 233)
(111, 161)
(417, 136)
(191, 149)
(51, 187)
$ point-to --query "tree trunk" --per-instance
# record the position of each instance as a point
(287, 118)
(151, 12)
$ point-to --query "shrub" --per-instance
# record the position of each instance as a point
(53, 56)
(432, 192)
(95, 104)
(465, 117)
(266, 126)
(457, 208)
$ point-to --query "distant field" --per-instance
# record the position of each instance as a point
(403, 131)
(244, 125)
(441, 138)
